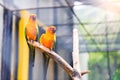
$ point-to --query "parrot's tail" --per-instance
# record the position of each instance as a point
(33, 58)
(32, 55)
(45, 65)
(31, 62)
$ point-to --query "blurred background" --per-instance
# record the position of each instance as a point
(98, 23)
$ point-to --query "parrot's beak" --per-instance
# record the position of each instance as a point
(54, 30)
(33, 18)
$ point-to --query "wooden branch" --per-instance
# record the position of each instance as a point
(59, 60)
(84, 72)
(75, 53)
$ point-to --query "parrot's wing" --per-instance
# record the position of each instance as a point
(26, 35)
(37, 34)
(54, 42)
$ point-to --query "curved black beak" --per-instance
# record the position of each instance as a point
(33, 18)
(54, 30)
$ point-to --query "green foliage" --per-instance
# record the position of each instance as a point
(98, 66)
(116, 75)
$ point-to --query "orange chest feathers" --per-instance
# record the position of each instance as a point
(31, 33)
(47, 41)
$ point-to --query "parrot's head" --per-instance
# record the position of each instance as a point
(51, 29)
(32, 18)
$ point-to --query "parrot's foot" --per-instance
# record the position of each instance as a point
(32, 41)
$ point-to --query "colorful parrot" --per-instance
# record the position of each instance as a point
(48, 40)
(31, 34)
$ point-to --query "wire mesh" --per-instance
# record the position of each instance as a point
(89, 19)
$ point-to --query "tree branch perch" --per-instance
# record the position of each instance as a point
(59, 60)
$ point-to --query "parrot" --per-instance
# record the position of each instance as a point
(48, 39)
(31, 34)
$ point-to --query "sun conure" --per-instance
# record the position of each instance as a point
(48, 40)
(31, 34)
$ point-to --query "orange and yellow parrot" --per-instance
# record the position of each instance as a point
(48, 40)
(31, 34)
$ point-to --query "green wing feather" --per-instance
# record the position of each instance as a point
(54, 42)
(37, 33)
(25, 34)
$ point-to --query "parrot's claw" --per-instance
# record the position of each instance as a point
(32, 41)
